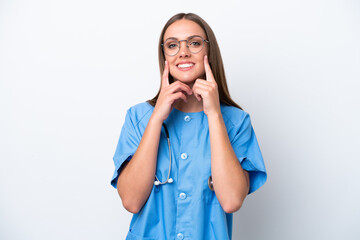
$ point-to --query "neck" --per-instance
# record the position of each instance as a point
(192, 104)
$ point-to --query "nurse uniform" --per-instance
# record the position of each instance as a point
(187, 209)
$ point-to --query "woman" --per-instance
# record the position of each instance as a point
(189, 187)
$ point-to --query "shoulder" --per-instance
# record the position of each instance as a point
(233, 116)
(139, 112)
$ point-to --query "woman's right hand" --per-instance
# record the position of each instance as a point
(169, 93)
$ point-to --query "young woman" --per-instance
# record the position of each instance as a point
(187, 158)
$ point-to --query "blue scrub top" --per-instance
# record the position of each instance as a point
(187, 208)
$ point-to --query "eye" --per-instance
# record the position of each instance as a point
(171, 45)
(195, 43)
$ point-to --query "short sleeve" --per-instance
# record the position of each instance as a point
(248, 152)
(128, 143)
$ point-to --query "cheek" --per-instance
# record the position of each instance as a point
(170, 60)
(202, 67)
(201, 61)
(172, 68)
(171, 63)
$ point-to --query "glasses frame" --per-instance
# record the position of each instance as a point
(187, 45)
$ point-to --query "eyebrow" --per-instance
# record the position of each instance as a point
(186, 39)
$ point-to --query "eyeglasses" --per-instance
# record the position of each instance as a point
(172, 46)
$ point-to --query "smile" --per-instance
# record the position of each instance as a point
(185, 66)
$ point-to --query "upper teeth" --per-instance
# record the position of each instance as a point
(185, 65)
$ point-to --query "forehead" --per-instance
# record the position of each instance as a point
(182, 29)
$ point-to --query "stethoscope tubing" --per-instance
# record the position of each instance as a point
(168, 179)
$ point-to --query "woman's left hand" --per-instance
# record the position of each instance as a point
(207, 90)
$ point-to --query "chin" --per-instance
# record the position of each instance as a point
(186, 78)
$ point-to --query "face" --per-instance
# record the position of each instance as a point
(186, 66)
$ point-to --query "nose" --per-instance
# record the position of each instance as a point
(184, 51)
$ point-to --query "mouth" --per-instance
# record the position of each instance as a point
(185, 66)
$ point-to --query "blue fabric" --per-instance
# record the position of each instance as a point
(198, 215)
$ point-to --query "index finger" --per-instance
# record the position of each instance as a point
(209, 74)
(165, 76)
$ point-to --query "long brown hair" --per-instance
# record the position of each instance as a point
(214, 56)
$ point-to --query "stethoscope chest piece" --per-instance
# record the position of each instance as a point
(210, 183)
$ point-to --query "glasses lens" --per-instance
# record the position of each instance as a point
(195, 44)
(171, 47)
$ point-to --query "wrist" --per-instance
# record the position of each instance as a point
(214, 115)
(154, 119)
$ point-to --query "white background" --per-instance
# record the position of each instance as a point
(70, 69)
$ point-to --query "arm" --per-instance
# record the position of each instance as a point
(230, 181)
(136, 179)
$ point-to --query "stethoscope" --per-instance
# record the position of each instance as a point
(169, 179)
